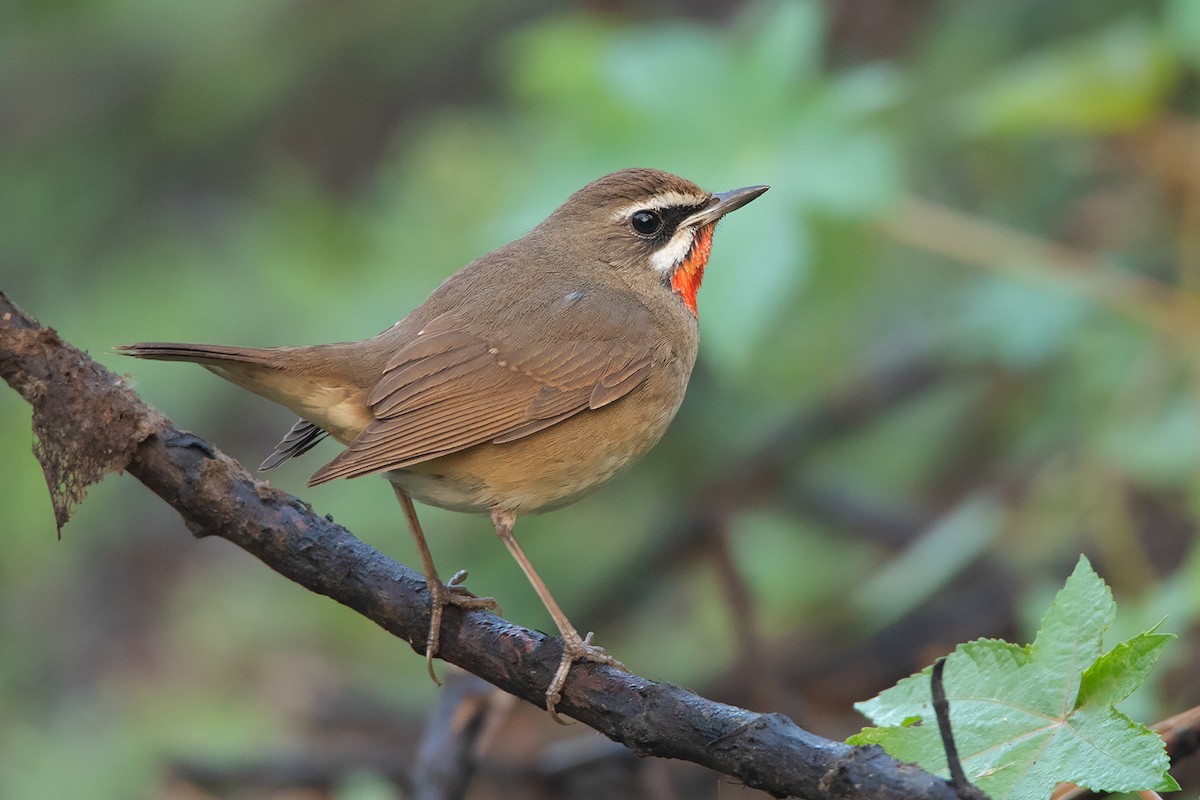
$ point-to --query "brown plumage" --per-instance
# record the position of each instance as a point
(529, 377)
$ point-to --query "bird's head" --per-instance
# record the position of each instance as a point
(649, 223)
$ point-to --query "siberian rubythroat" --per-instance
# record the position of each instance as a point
(528, 378)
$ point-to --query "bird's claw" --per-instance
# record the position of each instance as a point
(574, 649)
(451, 593)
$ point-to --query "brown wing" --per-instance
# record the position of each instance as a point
(450, 390)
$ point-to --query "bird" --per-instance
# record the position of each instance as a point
(527, 379)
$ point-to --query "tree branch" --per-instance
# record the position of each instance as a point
(88, 421)
(448, 754)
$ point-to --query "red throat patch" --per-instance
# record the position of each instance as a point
(690, 272)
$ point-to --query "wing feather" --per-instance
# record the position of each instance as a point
(302, 437)
(453, 388)
(614, 387)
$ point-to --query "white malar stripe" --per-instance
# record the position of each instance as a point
(663, 200)
(668, 257)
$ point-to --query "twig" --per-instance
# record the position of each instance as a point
(448, 755)
(941, 709)
(217, 496)
(1181, 733)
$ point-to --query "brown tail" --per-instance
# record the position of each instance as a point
(200, 353)
(313, 382)
(273, 372)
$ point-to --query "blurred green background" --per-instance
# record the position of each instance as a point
(955, 346)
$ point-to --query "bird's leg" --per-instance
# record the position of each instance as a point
(440, 594)
(575, 647)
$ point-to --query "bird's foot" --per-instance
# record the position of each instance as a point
(451, 593)
(574, 649)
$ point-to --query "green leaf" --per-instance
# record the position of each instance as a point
(1026, 718)
(1119, 672)
(1070, 637)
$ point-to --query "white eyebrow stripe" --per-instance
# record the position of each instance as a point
(667, 257)
(661, 200)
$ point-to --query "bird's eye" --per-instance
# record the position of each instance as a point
(646, 223)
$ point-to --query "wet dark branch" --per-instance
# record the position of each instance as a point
(90, 422)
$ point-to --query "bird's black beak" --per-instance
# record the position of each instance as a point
(722, 203)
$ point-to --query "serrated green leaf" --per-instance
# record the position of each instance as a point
(986, 658)
(1071, 636)
(1105, 750)
(920, 744)
(1119, 672)
(1026, 718)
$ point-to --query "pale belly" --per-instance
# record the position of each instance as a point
(545, 470)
